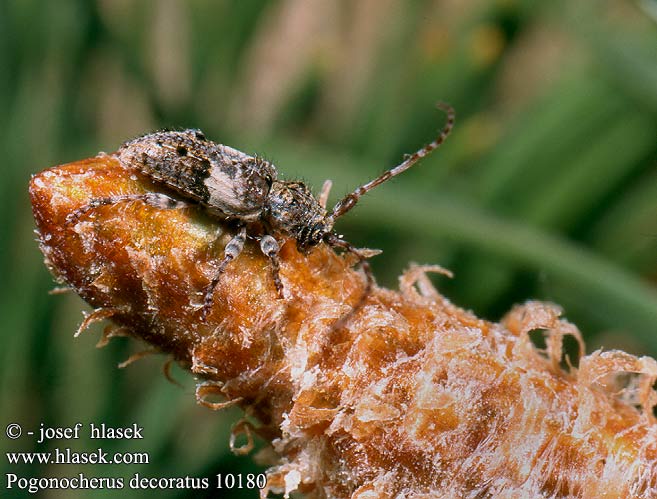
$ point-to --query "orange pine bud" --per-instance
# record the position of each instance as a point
(412, 398)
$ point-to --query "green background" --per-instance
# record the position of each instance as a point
(546, 189)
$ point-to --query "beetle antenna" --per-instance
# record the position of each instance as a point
(350, 200)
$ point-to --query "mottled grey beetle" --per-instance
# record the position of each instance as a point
(234, 186)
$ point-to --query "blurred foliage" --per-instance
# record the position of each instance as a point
(546, 189)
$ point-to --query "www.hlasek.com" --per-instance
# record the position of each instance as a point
(68, 456)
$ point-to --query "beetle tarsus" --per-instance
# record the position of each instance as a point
(270, 248)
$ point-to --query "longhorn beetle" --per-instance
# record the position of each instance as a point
(232, 185)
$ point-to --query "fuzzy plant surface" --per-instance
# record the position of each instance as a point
(412, 397)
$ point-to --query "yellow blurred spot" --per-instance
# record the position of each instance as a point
(486, 45)
(481, 131)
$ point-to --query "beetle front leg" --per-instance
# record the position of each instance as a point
(270, 248)
(336, 242)
(231, 251)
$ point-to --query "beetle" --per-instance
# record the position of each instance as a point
(232, 185)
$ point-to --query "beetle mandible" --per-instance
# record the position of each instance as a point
(232, 185)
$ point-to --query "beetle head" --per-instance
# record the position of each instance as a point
(293, 210)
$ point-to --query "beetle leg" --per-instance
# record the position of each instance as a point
(270, 248)
(336, 242)
(231, 251)
(154, 199)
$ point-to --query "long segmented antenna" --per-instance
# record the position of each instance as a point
(350, 200)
